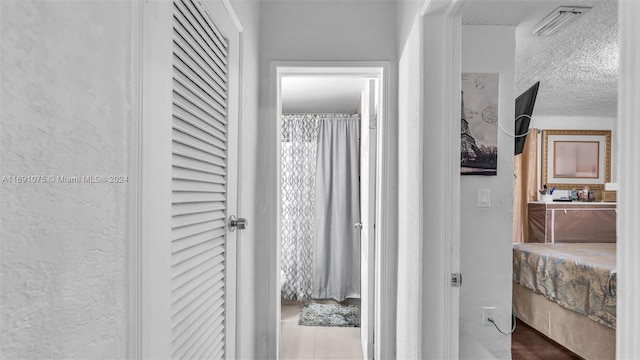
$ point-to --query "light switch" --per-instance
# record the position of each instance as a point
(484, 198)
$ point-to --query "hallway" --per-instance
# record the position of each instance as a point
(132, 131)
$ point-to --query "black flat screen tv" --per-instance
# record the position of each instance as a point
(524, 106)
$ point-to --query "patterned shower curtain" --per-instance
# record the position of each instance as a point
(299, 143)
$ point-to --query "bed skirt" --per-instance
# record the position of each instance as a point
(576, 332)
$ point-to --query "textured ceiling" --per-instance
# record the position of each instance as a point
(577, 67)
(321, 95)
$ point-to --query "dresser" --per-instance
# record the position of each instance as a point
(572, 222)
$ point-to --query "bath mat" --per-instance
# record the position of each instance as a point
(330, 315)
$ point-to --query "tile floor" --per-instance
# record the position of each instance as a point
(315, 342)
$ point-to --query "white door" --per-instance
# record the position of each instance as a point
(203, 181)
(367, 214)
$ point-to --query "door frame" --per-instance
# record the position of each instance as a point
(440, 41)
(383, 246)
(368, 145)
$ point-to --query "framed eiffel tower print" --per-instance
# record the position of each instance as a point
(479, 124)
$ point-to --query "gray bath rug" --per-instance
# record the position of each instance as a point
(330, 315)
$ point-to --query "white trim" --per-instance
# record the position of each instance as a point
(241, 212)
(234, 17)
(441, 111)
(155, 195)
(383, 235)
(134, 349)
(233, 330)
(224, 17)
(452, 184)
(628, 249)
(274, 268)
(368, 161)
(276, 100)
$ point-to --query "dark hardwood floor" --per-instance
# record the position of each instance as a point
(529, 344)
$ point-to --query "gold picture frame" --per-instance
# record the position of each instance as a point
(574, 159)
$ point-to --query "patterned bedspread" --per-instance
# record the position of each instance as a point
(578, 276)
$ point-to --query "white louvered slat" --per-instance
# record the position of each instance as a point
(195, 154)
(197, 69)
(206, 249)
(187, 167)
(199, 141)
(199, 184)
(186, 231)
(197, 134)
(196, 95)
(189, 282)
(190, 45)
(185, 290)
(202, 81)
(193, 342)
(215, 350)
(185, 163)
(183, 209)
(193, 26)
(190, 332)
(212, 31)
(182, 102)
(185, 97)
(184, 243)
(193, 307)
(197, 295)
(211, 128)
(181, 197)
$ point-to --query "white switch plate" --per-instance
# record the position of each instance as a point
(484, 198)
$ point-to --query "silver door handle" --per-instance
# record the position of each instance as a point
(239, 223)
(358, 225)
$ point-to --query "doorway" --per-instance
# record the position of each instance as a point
(369, 80)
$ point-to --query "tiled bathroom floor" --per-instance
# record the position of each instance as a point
(315, 342)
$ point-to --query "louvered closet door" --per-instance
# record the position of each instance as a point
(201, 185)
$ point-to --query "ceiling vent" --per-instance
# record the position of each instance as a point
(557, 19)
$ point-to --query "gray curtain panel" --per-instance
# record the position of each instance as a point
(336, 266)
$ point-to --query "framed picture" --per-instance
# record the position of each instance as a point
(479, 124)
(576, 158)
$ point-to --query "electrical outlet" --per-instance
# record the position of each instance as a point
(488, 312)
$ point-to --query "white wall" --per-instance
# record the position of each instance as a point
(407, 12)
(486, 232)
(66, 109)
(309, 31)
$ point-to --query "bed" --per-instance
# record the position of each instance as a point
(567, 291)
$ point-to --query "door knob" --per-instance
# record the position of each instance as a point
(239, 223)
(358, 225)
